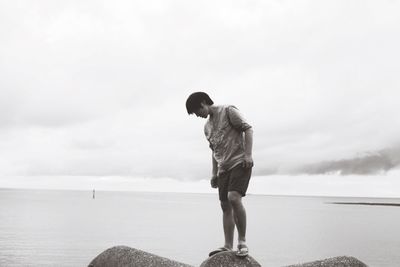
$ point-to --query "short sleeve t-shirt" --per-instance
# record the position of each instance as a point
(224, 131)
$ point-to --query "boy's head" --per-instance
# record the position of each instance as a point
(197, 102)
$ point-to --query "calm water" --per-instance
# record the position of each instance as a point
(69, 228)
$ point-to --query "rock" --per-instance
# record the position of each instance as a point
(123, 256)
(229, 259)
(342, 261)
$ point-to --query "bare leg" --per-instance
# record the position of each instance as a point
(239, 213)
(228, 223)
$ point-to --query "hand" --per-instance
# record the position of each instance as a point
(214, 181)
(247, 162)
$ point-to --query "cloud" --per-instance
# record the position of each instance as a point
(371, 163)
(98, 88)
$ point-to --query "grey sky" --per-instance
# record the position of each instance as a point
(97, 88)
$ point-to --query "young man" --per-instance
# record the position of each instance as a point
(231, 140)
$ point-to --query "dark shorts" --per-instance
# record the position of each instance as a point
(236, 179)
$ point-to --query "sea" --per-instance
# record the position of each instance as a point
(70, 228)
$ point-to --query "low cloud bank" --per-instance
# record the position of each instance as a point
(368, 164)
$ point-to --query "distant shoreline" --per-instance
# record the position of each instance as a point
(366, 203)
(90, 190)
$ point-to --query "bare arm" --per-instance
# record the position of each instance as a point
(214, 166)
(248, 148)
(214, 181)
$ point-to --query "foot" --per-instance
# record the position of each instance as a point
(242, 251)
(218, 250)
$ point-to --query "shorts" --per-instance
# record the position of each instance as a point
(236, 179)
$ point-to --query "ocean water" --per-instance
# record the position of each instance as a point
(70, 228)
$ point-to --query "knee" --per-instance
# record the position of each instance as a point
(234, 198)
(226, 206)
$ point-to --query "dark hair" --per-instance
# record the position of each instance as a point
(194, 101)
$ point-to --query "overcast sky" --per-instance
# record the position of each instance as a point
(96, 89)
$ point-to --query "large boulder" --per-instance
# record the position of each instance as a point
(342, 261)
(229, 259)
(122, 256)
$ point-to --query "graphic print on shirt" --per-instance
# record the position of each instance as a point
(226, 139)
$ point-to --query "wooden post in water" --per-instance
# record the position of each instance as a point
(94, 194)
